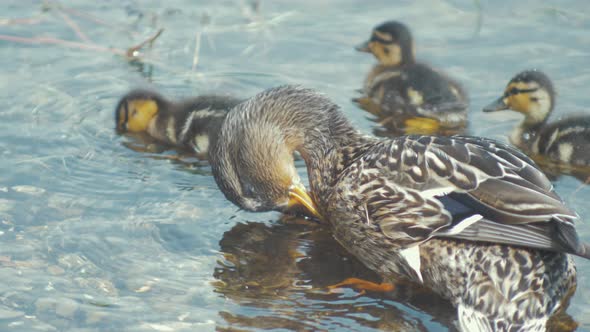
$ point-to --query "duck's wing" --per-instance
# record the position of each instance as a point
(487, 191)
(402, 214)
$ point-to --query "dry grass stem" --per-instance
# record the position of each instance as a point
(197, 50)
(74, 26)
(133, 52)
(61, 42)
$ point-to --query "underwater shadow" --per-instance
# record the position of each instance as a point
(279, 274)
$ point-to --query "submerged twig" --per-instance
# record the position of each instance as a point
(197, 50)
(49, 4)
(61, 42)
(74, 26)
(584, 184)
(479, 19)
(17, 21)
(133, 52)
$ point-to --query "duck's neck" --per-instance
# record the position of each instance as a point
(318, 135)
(322, 144)
(295, 119)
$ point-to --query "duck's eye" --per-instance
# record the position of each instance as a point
(513, 91)
(248, 190)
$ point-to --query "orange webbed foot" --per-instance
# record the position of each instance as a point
(363, 285)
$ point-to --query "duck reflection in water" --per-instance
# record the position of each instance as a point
(285, 269)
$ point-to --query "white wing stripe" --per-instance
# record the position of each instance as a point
(460, 227)
(412, 256)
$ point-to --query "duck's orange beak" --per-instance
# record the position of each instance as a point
(299, 197)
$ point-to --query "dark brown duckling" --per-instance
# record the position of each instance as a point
(407, 96)
(191, 124)
(565, 143)
(470, 218)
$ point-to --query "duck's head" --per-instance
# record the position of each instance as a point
(391, 43)
(137, 109)
(252, 160)
(530, 93)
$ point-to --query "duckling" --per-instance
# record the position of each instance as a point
(472, 219)
(190, 124)
(404, 94)
(565, 142)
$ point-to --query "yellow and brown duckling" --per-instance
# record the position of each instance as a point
(190, 124)
(565, 142)
(407, 96)
(470, 218)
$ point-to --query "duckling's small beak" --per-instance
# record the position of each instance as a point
(496, 105)
(299, 197)
(121, 128)
(364, 47)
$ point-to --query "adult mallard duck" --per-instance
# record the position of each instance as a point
(188, 124)
(565, 142)
(407, 96)
(470, 218)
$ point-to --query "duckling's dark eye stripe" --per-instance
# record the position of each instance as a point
(382, 41)
(515, 91)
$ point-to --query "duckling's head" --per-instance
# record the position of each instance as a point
(252, 160)
(530, 93)
(391, 43)
(136, 110)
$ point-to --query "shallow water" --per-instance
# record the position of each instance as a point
(96, 236)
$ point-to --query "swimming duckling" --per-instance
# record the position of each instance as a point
(565, 142)
(406, 95)
(190, 124)
(471, 218)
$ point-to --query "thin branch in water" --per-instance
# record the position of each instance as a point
(61, 42)
(19, 21)
(133, 52)
(74, 26)
(63, 161)
(584, 184)
(479, 19)
(49, 4)
(197, 50)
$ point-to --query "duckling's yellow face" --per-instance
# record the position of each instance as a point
(387, 52)
(135, 115)
(529, 97)
(521, 96)
(391, 43)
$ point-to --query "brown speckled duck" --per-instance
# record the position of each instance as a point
(405, 95)
(565, 142)
(190, 124)
(470, 218)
